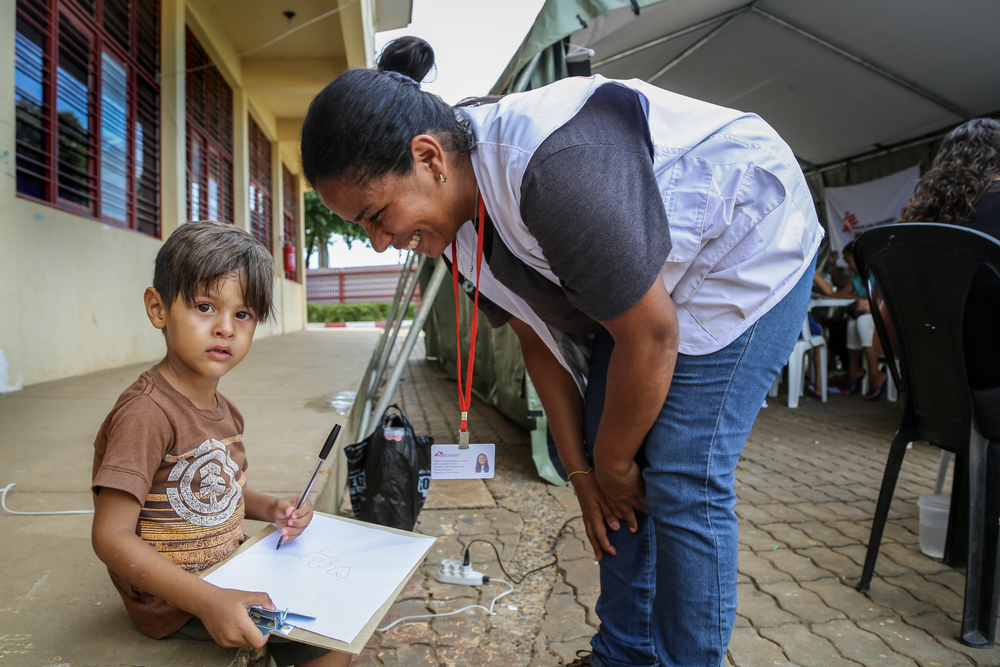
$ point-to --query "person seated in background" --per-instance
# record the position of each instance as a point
(820, 286)
(834, 323)
(860, 330)
(962, 188)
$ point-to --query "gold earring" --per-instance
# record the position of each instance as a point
(442, 178)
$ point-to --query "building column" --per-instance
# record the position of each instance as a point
(358, 31)
(278, 228)
(241, 159)
(10, 327)
(300, 213)
(173, 126)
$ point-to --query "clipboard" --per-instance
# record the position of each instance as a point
(308, 637)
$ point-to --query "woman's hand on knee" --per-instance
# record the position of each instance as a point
(596, 513)
(621, 484)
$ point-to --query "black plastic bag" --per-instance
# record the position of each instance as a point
(389, 472)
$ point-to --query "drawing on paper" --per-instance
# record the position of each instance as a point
(324, 559)
(327, 553)
(316, 560)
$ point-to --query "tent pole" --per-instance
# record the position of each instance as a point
(912, 87)
(403, 358)
(676, 60)
(399, 322)
(529, 69)
(667, 38)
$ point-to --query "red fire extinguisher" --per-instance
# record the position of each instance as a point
(289, 258)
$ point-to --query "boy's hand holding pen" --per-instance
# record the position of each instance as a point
(290, 518)
(294, 513)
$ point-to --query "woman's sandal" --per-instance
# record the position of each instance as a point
(877, 392)
(852, 387)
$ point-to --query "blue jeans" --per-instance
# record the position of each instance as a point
(669, 597)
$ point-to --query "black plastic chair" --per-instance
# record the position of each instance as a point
(923, 272)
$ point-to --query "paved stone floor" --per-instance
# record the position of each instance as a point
(807, 485)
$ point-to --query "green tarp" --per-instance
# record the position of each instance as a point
(543, 52)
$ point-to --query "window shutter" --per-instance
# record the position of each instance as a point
(261, 219)
(209, 138)
(32, 95)
(87, 108)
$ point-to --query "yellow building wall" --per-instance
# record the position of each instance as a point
(79, 299)
(10, 332)
(71, 287)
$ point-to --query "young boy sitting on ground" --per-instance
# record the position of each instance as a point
(169, 459)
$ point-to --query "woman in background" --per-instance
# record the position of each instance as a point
(962, 188)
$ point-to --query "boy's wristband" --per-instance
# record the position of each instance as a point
(581, 472)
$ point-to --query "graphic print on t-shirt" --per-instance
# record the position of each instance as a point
(206, 493)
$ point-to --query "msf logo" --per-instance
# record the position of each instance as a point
(850, 222)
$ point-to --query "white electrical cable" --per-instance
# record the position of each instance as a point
(457, 611)
(3, 503)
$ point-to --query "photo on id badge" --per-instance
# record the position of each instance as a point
(450, 462)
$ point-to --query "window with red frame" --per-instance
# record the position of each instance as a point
(87, 108)
(209, 138)
(290, 219)
(261, 220)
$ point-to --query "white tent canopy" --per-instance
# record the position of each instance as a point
(835, 79)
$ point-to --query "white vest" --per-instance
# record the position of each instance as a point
(742, 223)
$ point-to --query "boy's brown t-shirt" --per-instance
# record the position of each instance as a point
(186, 468)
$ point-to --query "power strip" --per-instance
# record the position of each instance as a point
(457, 572)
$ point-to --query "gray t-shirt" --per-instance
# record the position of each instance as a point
(590, 199)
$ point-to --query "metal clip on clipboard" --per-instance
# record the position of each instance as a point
(271, 620)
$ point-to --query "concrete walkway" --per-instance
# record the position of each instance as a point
(57, 604)
(807, 485)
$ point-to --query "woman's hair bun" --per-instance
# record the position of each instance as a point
(410, 56)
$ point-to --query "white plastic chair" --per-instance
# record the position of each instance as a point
(892, 393)
(796, 367)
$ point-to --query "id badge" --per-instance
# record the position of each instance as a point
(473, 462)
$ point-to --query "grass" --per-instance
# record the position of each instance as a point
(352, 312)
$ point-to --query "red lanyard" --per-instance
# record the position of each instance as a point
(465, 397)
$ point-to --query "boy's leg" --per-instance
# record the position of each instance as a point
(691, 453)
(287, 652)
(331, 659)
(625, 606)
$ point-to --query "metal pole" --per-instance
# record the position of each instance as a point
(426, 303)
(694, 47)
(368, 381)
(529, 69)
(405, 304)
(926, 139)
(380, 346)
(380, 358)
(669, 37)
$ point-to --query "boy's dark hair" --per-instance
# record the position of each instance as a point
(200, 254)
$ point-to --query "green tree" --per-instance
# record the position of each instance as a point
(322, 224)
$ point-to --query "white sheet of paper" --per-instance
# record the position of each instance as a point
(474, 462)
(337, 571)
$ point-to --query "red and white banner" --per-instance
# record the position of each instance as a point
(854, 209)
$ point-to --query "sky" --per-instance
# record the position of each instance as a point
(473, 41)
